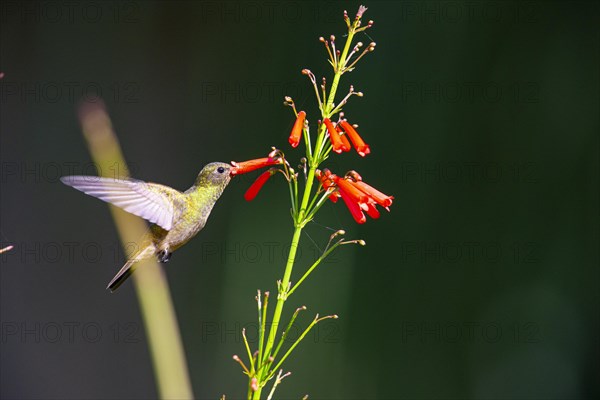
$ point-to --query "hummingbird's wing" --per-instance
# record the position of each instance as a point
(150, 201)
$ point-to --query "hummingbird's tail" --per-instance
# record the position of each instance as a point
(130, 266)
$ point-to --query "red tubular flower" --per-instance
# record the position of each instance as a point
(258, 184)
(328, 173)
(354, 208)
(358, 196)
(381, 199)
(325, 179)
(345, 186)
(251, 165)
(372, 210)
(361, 147)
(334, 136)
(296, 134)
(346, 143)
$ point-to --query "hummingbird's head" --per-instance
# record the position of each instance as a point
(214, 174)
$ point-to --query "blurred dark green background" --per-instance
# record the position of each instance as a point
(482, 117)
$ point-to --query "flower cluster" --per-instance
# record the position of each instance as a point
(359, 196)
(340, 135)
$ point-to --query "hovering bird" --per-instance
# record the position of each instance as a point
(176, 217)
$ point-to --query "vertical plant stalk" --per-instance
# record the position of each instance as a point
(158, 313)
(358, 196)
(301, 221)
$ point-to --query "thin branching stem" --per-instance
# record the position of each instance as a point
(261, 328)
(293, 346)
(286, 331)
(248, 350)
(315, 264)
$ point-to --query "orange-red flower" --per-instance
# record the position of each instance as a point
(345, 142)
(372, 210)
(258, 184)
(251, 165)
(354, 208)
(380, 198)
(334, 136)
(297, 129)
(358, 196)
(325, 178)
(359, 144)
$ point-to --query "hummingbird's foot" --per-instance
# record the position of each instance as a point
(164, 256)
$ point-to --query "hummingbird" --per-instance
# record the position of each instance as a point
(176, 217)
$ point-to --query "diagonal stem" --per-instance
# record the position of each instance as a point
(152, 289)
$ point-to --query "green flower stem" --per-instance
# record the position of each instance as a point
(262, 320)
(316, 263)
(318, 158)
(314, 200)
(287, 330)
(308, 328)
(282, 292)
(248, 350)
(307, 141)
(283, 287)
(339, 70)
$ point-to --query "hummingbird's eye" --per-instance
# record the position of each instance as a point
(220, 170)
